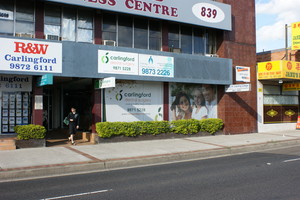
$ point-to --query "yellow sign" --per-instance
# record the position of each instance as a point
(278, 69)
(291, 86)
(295, 35)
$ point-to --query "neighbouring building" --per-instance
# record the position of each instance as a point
(127, 60)
(278, 89)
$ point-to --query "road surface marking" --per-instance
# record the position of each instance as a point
(292, 160)
(75, 195)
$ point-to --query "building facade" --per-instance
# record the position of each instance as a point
(159, 59)
(278, 94)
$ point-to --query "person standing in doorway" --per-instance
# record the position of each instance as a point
(73, 118)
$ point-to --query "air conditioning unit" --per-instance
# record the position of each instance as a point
(109, 42)
(212, 55)
(175, 50)
(26, 35)
(52, 37)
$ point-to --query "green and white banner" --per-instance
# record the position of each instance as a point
(134, 101)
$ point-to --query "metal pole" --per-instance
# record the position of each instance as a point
(286, 42)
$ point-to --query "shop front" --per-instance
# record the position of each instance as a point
(278, 95)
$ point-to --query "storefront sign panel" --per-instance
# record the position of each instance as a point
(198, 12)
(15, 83)
(291, 86)
(242, 73)
(30, 56)
(150, 65)
(269, 70)
(291, 69)
(295, 35)
(115, 62)
(134, 101)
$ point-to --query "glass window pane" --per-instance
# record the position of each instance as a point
(25, 10)
(280, 100)
(154, 35)
(6, 27)
(7, 8)
(125, 31)
(186, 40)
(199, 41)
(24, 27)
(173, 35)
(85, 35)
(109, 28)
(211, 42)
(52, 15)
(141, 33)
(52, 30)
(69, 24)
(271, 89)
(85, 19)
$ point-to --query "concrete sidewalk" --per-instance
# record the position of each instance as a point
(39, 162)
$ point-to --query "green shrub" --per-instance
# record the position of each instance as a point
(185, 126)
(31, 131)
(133, 129)
(211, 125)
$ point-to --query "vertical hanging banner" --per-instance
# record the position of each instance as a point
(295, 35)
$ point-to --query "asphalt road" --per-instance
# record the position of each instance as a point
(268, 175)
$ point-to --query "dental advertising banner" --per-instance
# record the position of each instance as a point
(193, 101)
(134, 101)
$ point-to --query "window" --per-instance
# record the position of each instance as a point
(52, 21)
(211, 42)
(25, 17)
(140, 33)
(186, 40)
(125, 31)
(280, 106)
(109, 27)
(85, 26)
(199, 41)
(17, 17)
(69, 24)
(154, 35)
(173, 36)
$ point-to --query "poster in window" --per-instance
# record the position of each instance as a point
(25, 112)
(11, 128)
(4, 113)
(19, 97)
(12, 120)
(19, 120)
(5, 104)
(5, 97)
(25, 120)
(4, 120)
(19, 105)
(19, 113)
(25, 97)
(12, 113)
(5, 128)
(25, 105)
(12, 105)
(12, 97)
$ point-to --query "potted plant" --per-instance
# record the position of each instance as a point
(30, 136)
